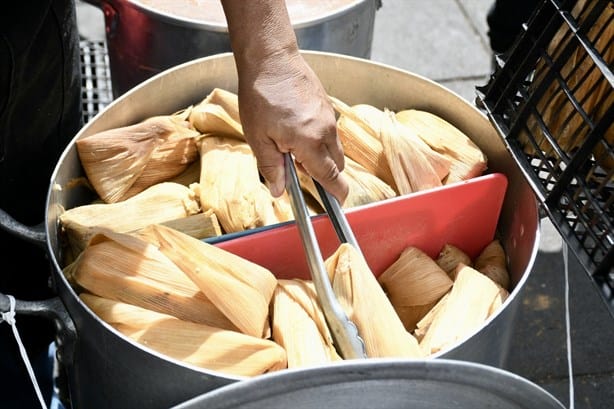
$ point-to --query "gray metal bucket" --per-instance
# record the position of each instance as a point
(143, 41)
(382, 384)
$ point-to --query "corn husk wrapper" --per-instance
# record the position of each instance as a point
(189, 176)
(218, 114)
(125, 268)
(450, 257)
(364, 187)
(414, 283)
(423, 325)
(415, 166)
(492, 263)
(299, 326)
(366, 117)
(201, 345)
(466, 159)
(498, 301)
(361, 142)
(227, 100)
(369, 115)
(240, 289)
(230, 185)
(366, 304)
(412, 164)
(159, 203)
(121, 162)
(199, 225)
(465, 310)
(584, 80)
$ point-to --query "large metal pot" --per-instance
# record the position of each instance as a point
(143, 41)
(107, 369)
(382, 384)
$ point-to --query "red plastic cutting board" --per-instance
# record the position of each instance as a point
(464, 214)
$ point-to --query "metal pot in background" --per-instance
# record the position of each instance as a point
(383, 384)
(106, 368)
(143, 41)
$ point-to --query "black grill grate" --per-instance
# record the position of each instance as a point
(552, 100)
(96, 89)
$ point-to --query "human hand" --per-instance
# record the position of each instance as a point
(284, 108)
(282, 104)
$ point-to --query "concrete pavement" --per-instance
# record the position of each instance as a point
(446, 41)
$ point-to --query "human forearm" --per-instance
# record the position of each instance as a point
(260, 32)
(282, 104)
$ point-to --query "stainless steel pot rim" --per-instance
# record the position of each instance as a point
(199, 24)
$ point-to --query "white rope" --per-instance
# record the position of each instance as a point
(568, 327)
(9, 317)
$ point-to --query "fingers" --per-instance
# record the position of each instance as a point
(320, 164)
(287, 110)
(327, 173)
(316, 159)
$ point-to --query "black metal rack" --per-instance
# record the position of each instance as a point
(552, 100)
(96, 88)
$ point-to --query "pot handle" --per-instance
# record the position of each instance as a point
(35, 234)
(52, 309)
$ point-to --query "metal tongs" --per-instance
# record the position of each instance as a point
(344, 331)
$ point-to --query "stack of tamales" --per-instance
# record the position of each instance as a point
(202, 305)
(182, 297)
(134, 168)
(443, 300)
(137, 260)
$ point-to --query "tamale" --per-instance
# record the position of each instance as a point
(230, 185)
(467, 307)
(371, 115)
(423, 325)
(415, 166)
(299, 326)
(363, 186)
(218, 114)
(363, 115)
(196, 344)
(366, 304)
(414, 283)
(199, 225)
(498, 301)
(361, 142)
(492, 262)
(449, 257)
(189, 176)
(571, 108)
(227, 100)
(121, 162)
(372, 137)
(466, 158)
(128, 269)
(159, 203)
(242, 290)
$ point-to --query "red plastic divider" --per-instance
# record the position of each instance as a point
(464, 214)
